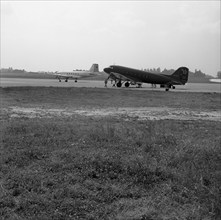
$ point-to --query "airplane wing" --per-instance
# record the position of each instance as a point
(118, 76)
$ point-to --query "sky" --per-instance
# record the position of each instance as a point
(67, 35)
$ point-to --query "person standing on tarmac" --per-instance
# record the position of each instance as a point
(105, 83)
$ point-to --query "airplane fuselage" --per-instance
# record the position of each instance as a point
(76, 74)
(143, 76)
(132, 76)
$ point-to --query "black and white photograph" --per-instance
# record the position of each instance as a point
(110, 110)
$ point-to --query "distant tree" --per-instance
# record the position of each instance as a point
(219, 74)
(199, 73)
(168, 72)
(18, 71)
(164, 71)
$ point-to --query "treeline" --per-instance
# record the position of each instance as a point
(11, 70)
(197, 73)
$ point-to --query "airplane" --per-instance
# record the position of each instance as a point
(76, 74)
(216, 80)
(129, 76)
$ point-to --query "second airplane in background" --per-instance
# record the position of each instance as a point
(129, 76)
(77, 74)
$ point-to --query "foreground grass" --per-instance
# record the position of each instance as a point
(87, 168)
(108, 169)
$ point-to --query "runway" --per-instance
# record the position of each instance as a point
(189, 87)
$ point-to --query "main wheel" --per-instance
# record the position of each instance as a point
(119, 84)
(127, 84)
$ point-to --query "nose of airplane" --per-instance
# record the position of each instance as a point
(107, 70)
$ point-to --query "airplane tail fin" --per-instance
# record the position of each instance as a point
(94, 68)
(181, 74)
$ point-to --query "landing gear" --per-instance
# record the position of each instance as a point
(127, 84)
(167, 87)
(59, 80)
(75, 80)
(66, 80)
(119, 84)
(139, 85)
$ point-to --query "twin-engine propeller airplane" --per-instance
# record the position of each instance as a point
(129, 76)
(77, 74)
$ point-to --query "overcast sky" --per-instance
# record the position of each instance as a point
(67, 35)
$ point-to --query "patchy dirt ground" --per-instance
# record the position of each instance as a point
(126, 113)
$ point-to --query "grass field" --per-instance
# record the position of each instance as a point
(81, 167)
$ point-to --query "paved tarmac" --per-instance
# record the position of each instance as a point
(189, 87)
